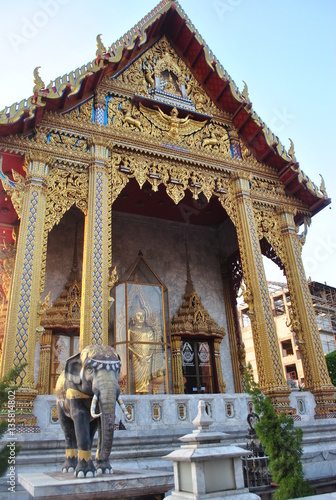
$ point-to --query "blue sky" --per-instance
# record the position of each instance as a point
(284, 51)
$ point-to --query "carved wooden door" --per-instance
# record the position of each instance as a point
(197, 366)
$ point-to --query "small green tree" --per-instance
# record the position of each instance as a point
(7, 383)
(282, 443)
(331, 365)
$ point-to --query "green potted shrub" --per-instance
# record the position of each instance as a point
(283, 445)
(331, 365)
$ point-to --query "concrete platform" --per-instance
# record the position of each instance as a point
(121, 484)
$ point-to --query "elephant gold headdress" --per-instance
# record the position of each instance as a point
(101, 357)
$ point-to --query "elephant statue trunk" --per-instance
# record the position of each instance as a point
(87, 392)
(106, 388)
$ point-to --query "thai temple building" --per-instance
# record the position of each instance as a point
(139, 194)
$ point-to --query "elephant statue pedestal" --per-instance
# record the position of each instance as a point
(88, 383)
(124, 484)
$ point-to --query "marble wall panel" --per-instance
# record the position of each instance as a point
(60, 252)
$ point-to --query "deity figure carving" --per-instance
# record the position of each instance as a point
(175, 126)
(141, 337)
(170, 85)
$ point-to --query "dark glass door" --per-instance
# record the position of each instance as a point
(197, 367)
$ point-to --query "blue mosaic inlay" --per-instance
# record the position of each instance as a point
(97, 311)
(21, 347)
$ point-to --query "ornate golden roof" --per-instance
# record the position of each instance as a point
(167, 19)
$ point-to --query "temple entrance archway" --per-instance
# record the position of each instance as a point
(149, 220)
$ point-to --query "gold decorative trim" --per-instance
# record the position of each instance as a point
(44, 371)
(65, 189)
(71, 452)
(84, 455)
(74, 394)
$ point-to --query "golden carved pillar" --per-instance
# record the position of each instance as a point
(270, 371)
(304, 322)
(44, 372)
(22, 317)
(97, 251)
(231, 325)
(219, 373)
(178, 386)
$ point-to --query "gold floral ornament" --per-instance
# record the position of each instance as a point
(172, 124)
(41, 311)
(248, 299)
(113, 280)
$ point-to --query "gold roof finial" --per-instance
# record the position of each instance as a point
(323, 187)
(291, 151)
(245, 92)
(101, 49)
(39, 83)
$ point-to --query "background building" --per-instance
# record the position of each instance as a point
(324, 301)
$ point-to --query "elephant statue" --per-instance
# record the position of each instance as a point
(89, 381)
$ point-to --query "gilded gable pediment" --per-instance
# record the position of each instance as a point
(158, 96)
(159, 74)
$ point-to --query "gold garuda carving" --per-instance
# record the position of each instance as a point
(172, 124)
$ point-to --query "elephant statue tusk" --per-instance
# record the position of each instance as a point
(124, 409)
(93, 407)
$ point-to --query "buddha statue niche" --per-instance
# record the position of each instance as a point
(141, 339)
